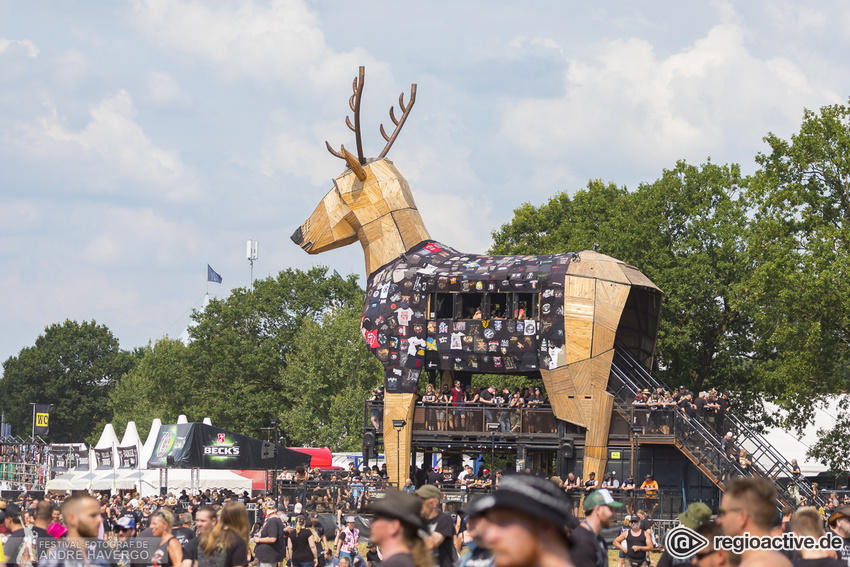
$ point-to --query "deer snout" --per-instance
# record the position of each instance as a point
(297, 237)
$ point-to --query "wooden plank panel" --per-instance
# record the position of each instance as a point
(601, 269)
(412, 228)
(581, 372)
(601, 370)
(637, 278)
(603, 340)
(597, 429)
(583, 288)
(397, 446)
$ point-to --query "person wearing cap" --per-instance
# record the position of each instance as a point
(839, 522)
(709, 556)
(125, 528)
(524, 522)
(591, 483)
(395, 530)
(697, 514)
(346, 540)
(610, 481)
(19, 535)
(441, 530)
(634, 542)
(749, 506)
(270, 548)
(650, 492)
(588, 549)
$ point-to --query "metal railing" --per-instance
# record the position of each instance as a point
(448, 418)
(702, 434)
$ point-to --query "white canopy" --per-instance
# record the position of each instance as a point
(178, 479)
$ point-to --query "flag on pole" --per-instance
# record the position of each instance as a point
(42, 419)
(212, 276)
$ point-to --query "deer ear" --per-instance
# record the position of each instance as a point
(354, 164)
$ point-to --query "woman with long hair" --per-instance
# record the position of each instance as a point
(169, 552)
(225, 544)
(301, 545)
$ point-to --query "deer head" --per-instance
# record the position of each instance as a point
(370, 202)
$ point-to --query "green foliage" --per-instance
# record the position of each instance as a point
(799, 294)
(161, 385)
(73, 366)
(240, 345)
(328, 379)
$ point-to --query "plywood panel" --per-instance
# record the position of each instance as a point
(412, 228)
(397, 445)
(361, 205)
(637, 278)
(597, 430)
(578, 337)
(603, 340)
(583, 288)
(581, 372)
(601, 370)
(394, 185)
(601, 269)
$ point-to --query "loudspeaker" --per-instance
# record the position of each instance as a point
(268, 450)
(369, 444)
(567, 449)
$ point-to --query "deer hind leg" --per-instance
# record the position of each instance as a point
(397, 441)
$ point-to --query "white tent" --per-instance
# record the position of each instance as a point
(791, 446)
(178, 479)
(148, 447)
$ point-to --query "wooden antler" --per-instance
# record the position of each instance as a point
(354, 103)
(398, 123)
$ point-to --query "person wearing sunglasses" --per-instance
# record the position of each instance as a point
(708, 556)
(749, 506)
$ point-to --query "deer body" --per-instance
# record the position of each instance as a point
(556, 315)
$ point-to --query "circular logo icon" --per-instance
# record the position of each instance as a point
(165, 444)
(682, 542)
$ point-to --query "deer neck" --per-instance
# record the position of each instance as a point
(386, 238)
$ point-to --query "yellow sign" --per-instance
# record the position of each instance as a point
(615, 455)
(41, 419)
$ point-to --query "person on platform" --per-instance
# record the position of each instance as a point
(441, 531)
(749, 506)
(395, 530)
(524, 523)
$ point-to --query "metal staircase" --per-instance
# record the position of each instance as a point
(700, 443)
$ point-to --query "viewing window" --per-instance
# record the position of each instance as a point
(492, 305)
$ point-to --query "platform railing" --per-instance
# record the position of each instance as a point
(705, 433)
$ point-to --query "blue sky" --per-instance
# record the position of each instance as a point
(141, 140)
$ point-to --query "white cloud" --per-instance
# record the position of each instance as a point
(165, 91)
(113, 149)
(11, 44)
(657, 110)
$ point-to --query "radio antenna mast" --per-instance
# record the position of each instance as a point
(253, 249)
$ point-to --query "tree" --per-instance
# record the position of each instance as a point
(799, 294)
(329, 377)
(240, 345)
(160, 385)
(73, 367)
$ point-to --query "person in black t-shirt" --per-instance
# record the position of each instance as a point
(440, 526)
(184, 532)
(588, 549)
(271, 541)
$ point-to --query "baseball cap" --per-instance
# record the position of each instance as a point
(600, 497)
(12, 510)
(427, 491)
(532, 495)
(400, 506)
(126, 522)
(349, 519)
(696, 515)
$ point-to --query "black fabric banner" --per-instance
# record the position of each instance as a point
(128, 457)
(41, 425)
(197, 445)
(81, 456)
(104, 459)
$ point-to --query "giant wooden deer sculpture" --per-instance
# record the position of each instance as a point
(429, 307)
